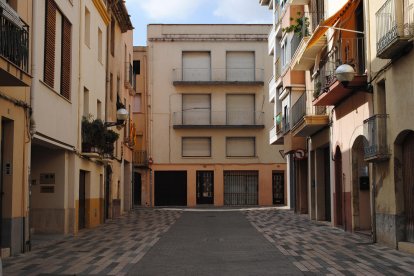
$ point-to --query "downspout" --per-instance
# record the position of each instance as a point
(34, 57)
(374, 169)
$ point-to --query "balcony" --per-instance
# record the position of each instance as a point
(140, 158)
(329, 91)
(375, 130)
(218, 76)
(395, 28)
(272, 89)
(130, 78)
(271, 41)
(14, 48)
(276, 134)
(306, 118)
(196, 119)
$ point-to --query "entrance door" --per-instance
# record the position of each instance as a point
(408, 176)
(205, 187)
(137, 189)
(108, 175)
(327, 185)
(338, 187)
(170, 188)
(82, 200)
(1, 179)
(241, 187)
(278, 183)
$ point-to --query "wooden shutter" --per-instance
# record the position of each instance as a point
(240, 109)
(66, 58)
(50, 39)
(240, 66)
(196, 109)
(196, 66)
(196, 146)
(240, 146)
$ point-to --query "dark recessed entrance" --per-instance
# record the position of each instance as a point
(205, 187)
(170, 188)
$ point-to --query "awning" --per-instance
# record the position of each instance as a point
(344, 12)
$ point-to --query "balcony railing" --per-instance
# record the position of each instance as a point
(303, 107)
(279, 125)
(278, 67)
(218, 75)
(14, 41)
(271, 40)
(140, 158)
(204, 118)
(395, 26)
(130, 77)
(272, 88)
(272, 134)
(375, 130)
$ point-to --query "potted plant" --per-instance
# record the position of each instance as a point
(97, 134)
(300, 27)
(86, 134)
(110, 138)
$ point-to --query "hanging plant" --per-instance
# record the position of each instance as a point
(300, 26)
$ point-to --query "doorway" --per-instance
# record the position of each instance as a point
(137, 189)
(241, 188)
(108, 175)
(170, 188)
(82, 200)
(205, 187)
(338, 188)
(408, 178)
(278, 183)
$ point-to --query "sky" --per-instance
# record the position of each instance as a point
(145, 12)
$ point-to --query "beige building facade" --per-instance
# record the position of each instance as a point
(15, 93)
(209, 115)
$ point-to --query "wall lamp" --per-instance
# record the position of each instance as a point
(121, 116)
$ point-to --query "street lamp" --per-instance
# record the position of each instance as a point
(121, 116)
(344, 74)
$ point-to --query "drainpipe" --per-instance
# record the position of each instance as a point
(374, 170)
(34, 57)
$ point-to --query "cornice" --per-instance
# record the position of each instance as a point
(102, 11)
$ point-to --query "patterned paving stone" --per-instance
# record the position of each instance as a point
(107, 249)
(316, 248)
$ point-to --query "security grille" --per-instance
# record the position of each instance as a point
(241, 187)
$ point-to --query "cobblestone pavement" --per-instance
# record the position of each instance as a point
(119, 246)
(110, 249)
(319, 249)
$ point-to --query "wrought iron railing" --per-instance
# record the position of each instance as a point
(205, 117)
(390, 25)
(140, 158)
(14, 42)
(303, 107)
(218, 74)
(375, 130)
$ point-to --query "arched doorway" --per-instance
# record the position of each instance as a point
(338, 188)
(361, 199)
(408, 183)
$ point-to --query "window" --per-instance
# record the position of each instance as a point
(240, 66)
(111, 86)
(98, 109)
(240, 109)
(100, 45)
(240, 146)
(87, 27)
(196, 109)
(285, 53)
(137, 103)
(85, 102)
(112, 36)
(196, 146)
(58, 50)
(196, 66)
(137, 67)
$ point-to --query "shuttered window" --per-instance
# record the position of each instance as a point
(240, 109)
(240, 147)
(196, 146)
(240, 66)
(196, 66)
(196, 109)
(58, 50)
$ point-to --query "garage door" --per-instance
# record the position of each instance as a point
(241, 187)
(170, 188)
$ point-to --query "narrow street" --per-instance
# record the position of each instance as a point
(211, 242)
